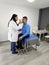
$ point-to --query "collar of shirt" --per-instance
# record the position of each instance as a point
(25, 23)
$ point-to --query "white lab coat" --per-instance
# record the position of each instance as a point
(12, 32)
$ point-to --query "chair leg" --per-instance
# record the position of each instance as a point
(23, 50)
(18, 51)
(35, 47)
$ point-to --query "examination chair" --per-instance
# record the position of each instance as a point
(30, 41)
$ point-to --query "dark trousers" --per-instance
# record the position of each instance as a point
(20, 42)
(13, 45)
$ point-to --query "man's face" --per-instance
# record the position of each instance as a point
(24, 20)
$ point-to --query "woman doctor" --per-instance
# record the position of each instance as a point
(13, 32)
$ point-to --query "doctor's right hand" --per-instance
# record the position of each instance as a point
(20, 21)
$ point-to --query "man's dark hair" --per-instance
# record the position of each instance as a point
(25, 17)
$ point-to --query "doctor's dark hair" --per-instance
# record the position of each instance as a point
(13, 18)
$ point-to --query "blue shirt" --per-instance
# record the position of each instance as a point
(25, 29)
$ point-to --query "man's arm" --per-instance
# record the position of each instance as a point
(27, 31)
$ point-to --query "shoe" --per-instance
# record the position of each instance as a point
(22, 48)
(14, 52)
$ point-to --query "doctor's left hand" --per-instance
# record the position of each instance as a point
(20, 37)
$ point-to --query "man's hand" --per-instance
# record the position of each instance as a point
(20, 37)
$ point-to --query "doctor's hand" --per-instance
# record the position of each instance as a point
(20, 21)
(20, 37)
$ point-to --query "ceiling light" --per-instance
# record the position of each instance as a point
(30, 0)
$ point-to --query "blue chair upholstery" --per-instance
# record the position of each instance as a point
(29, 38)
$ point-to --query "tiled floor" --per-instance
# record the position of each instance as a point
(39, 57)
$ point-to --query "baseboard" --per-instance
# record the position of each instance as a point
(4, 41)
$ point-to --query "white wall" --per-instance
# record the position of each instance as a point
(5, 14)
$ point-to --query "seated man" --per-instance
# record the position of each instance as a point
(25, 32)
